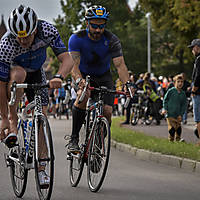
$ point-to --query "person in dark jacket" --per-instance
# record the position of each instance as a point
(187, 89)
(195, 46)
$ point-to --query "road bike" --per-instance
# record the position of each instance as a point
(34, 147)
(140, 110)
(94, 142)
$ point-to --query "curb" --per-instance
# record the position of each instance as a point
(142, 154)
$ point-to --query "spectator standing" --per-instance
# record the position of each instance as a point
(187, 89)
(174, 105)
(155, 103)
(128, 109)
(195, 46)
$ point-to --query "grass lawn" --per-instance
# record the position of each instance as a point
(142, 141)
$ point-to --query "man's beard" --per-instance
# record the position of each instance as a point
(95, 35)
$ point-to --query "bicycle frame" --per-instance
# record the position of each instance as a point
(28, 151)
(96, 107)
(31, 142)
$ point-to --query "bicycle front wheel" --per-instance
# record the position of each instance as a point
(44, 158)
(98, 155)
(77, 159)
(18, 172)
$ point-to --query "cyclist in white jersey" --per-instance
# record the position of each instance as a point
(22, 55)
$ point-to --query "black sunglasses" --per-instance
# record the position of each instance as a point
(100, 26)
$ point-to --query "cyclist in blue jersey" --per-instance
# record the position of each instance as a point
(92, 50)
(22, 55)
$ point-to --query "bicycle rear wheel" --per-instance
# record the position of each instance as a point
(18, 172)
(98, 155)
(44, 157)
(148, 117)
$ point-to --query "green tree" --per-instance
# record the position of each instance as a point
(179, 21)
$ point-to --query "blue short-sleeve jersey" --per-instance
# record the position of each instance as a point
(95, 55)
(31, 59)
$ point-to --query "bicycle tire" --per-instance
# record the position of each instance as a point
(18, 172)
(134, 116)
(148, 117)
(44, 193)
(60, 111)
(77, 161)
(98, 155)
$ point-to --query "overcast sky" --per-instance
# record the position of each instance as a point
(45, 9)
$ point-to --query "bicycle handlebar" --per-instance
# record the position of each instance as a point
(35, 86)
(103, 89)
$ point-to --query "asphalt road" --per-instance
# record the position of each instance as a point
(127, 177)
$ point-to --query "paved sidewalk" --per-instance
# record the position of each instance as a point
(161, 131)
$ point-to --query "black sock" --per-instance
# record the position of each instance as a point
(78, 117)
(196, 133)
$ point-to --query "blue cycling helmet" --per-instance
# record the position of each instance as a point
(96, 12)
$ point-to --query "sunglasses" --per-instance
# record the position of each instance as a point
(100, 26)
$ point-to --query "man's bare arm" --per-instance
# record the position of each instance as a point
(75, 71)
(121, 68)
(66, 64)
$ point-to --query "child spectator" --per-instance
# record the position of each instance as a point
(174, 105)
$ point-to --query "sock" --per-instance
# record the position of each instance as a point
(78, 117)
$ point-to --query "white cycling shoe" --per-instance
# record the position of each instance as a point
(44, 179)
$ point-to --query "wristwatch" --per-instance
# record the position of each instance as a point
(78, 80)
(58, 76)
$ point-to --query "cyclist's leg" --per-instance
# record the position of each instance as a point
(4, 78)
(78, 117)
(39, 77)
(17, 74)
(107, 112)
(3, 110)
(107, 81)
(45, 100)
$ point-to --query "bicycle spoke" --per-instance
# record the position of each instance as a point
(18, 172)
(45, 160)
(99, 155)
(77, 160)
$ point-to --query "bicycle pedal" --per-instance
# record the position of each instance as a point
(69, 157)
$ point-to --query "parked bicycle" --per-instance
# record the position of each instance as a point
(94, 142)
(140, 109)
(27, 154)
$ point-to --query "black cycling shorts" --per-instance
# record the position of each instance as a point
(37, 77)
(103, 80)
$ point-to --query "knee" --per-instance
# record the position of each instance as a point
(18, 74)
(108, 113)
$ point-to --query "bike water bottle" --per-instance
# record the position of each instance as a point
(25, 124)
(28, 131)
(30, 149)
(30, 127)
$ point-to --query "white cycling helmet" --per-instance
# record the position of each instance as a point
(22, 21)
